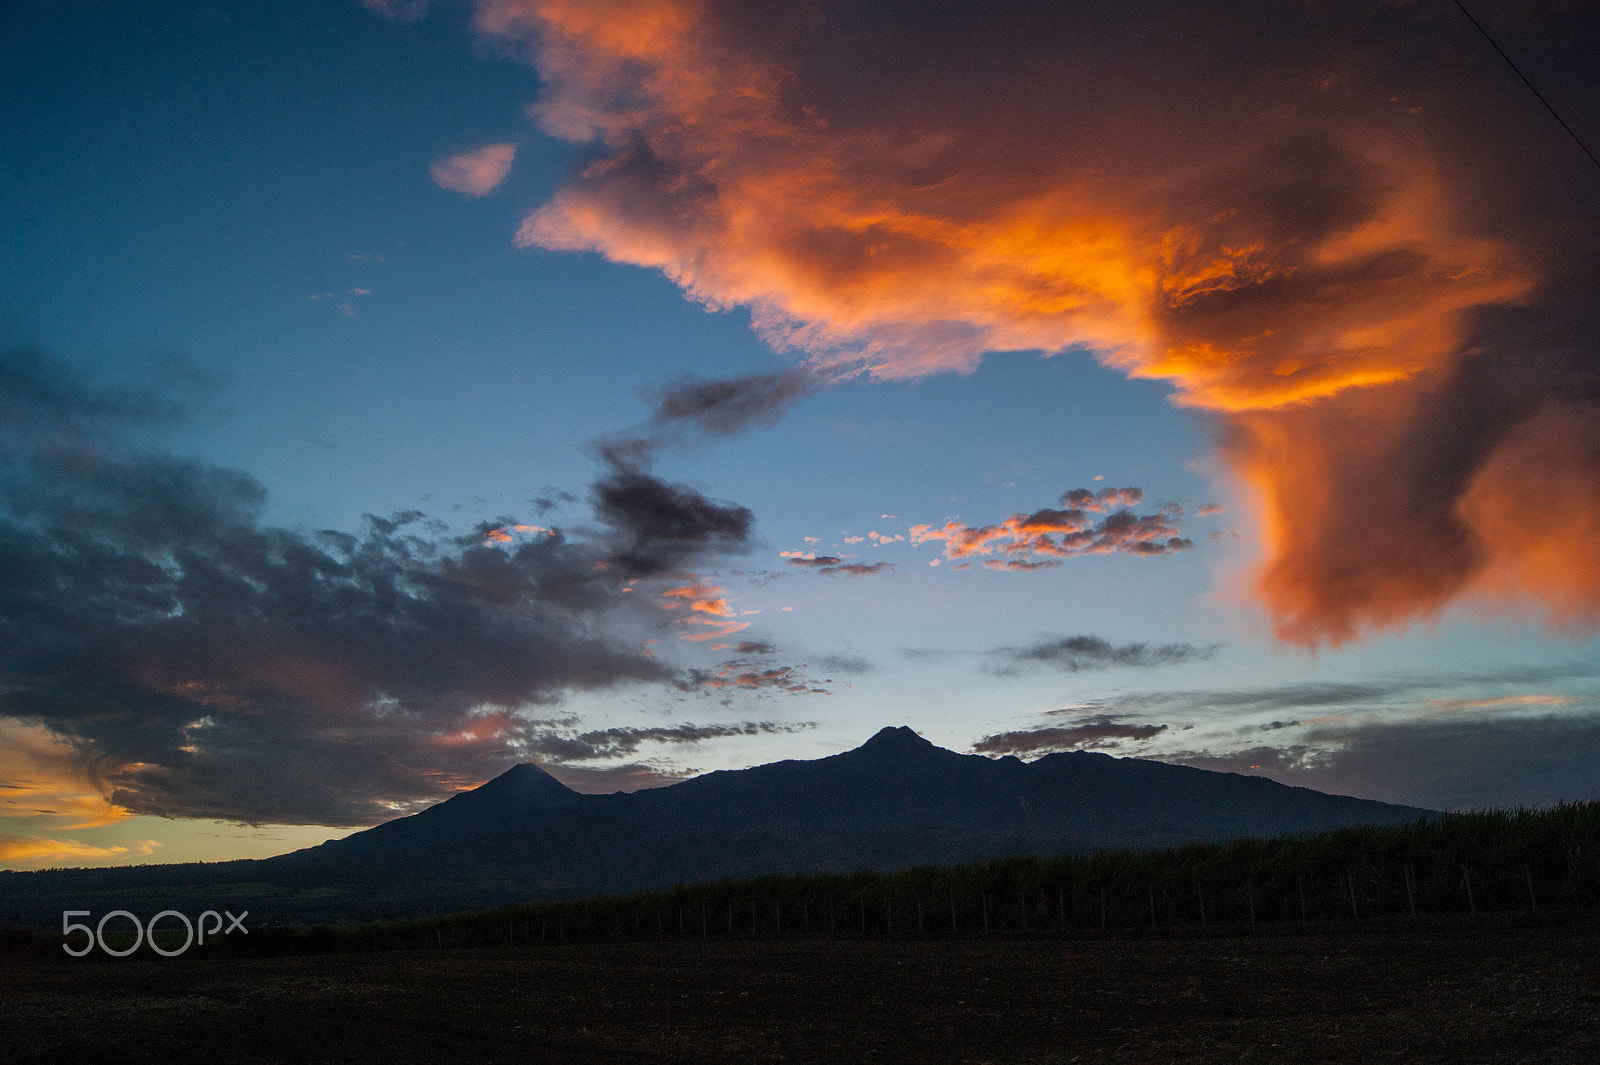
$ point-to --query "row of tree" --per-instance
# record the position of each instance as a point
(1455, 865)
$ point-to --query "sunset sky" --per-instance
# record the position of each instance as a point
(391, 392)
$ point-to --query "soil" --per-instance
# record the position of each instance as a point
(1464, 995)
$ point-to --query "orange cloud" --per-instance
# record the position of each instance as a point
(708, 607)
(898, 197)
(1534, 508)
(38, 850)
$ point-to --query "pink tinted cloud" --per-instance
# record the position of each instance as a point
(475, 173)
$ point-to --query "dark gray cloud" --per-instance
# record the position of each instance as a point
(661, 526)
(1100, 731)
(621, 742)
(755, 647)
(751, 677)
(1076, 654)
(550, 499)
(833, 566)
(215, 666)
(729, 406)
(691, 409)
(845, 663)
(36, 393)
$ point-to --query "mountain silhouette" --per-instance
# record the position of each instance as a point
(894, 802)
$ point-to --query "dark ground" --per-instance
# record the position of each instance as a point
(1503, 994)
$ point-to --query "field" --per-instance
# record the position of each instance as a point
(1494, 990)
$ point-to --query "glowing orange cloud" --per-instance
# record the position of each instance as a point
(708, 607)
(47, 776)
(1062, 533)
(1295, 256)
(38, 850)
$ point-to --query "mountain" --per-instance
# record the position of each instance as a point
(896, 801)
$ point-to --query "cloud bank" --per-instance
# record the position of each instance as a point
(165, 651)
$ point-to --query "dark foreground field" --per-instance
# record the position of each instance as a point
(1501, 994)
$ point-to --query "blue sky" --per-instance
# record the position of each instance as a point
(228, 208)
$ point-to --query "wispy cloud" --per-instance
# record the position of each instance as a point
(1075, 654)
(47, 776)
(834, 566)
(1093, 733)
(42, 851)
(692, 409)
(475, 173)
(1438, 763)
(398, 10)
(622, 742)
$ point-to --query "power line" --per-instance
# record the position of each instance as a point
(1553, 113)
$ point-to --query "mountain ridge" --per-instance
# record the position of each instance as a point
(895, 801)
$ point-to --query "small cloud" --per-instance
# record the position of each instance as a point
(1076, 654)
(1501, 703)
(845, 663)
(752, 677)
(834, 566)
(1096, 732)
(475, 173)
(1208, 510)
(858, 569)
(398, 10)
(1084, 522)
(599, 744)
(341, 300)
(1017, 565)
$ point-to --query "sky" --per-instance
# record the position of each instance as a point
(395, 391)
